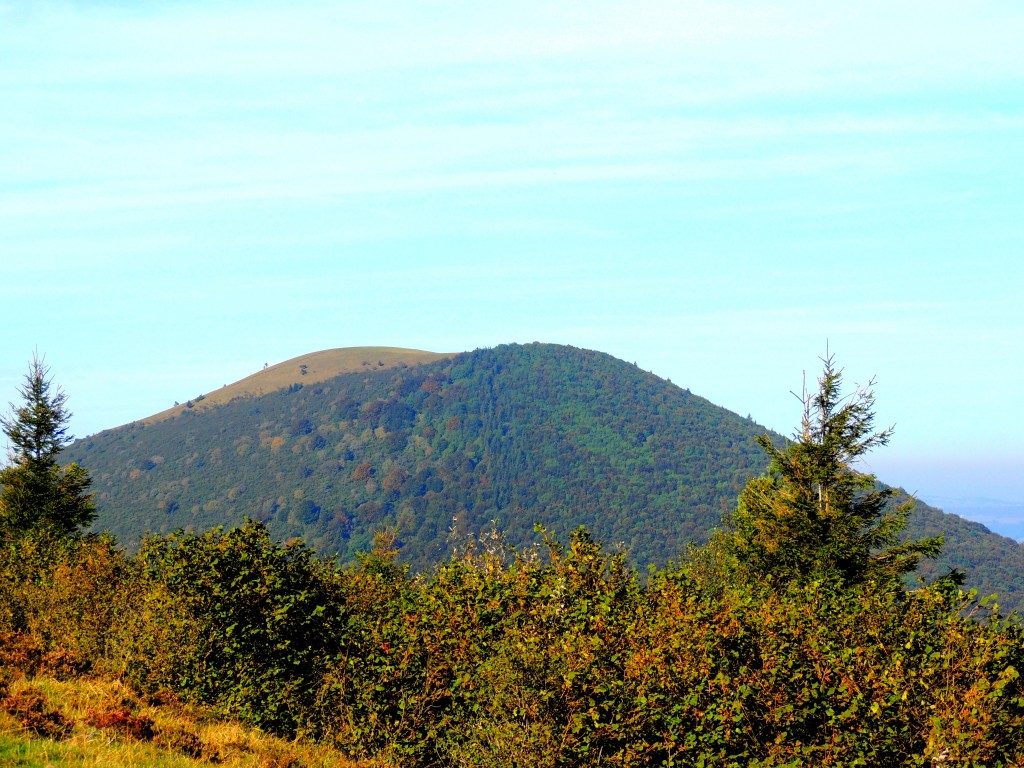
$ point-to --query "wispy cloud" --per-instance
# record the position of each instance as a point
(129, 105)
(141, 169)
(793, 42)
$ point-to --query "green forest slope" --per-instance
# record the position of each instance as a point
(516, 434)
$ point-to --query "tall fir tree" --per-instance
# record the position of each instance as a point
(813, 515)
(35, 491)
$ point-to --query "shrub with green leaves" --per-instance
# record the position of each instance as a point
(256, 622)
(559, 657)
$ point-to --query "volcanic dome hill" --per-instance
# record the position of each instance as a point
(332, 446)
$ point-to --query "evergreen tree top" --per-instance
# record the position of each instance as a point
(37, 429)
(35, 492)
(813, 515)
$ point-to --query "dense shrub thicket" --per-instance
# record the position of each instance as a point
(559, 656)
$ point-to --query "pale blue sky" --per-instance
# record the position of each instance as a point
(713, 190)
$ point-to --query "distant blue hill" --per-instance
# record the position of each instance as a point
(1003, 517)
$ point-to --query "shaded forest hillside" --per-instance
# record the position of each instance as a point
(518, 434)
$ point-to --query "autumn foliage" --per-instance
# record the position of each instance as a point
(563, 655)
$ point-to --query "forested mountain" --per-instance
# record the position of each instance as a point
(518, 435)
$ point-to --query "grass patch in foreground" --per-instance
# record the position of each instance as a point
(103, 723)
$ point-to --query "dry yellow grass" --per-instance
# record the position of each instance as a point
(307, 369)
(184, 737)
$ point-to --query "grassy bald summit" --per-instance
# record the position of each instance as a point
(518, 434)
(305, 370)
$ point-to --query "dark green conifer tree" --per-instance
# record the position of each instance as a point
(813, 515)
(35, 491)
